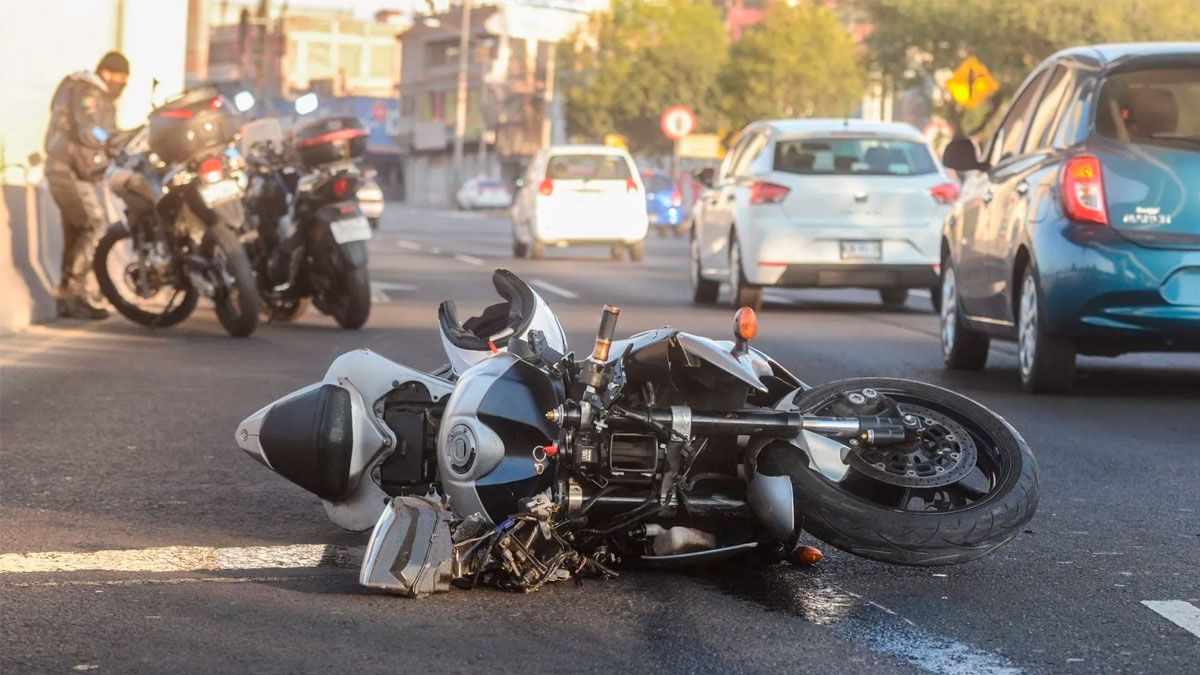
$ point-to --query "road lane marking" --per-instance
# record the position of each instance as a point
(182, 559)
(1179, 612)
(435, 250)
(173, 581)
(379, 290)
(469, 259)
(408, 245)
(557, 290)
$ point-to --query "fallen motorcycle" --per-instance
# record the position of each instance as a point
(517, 464)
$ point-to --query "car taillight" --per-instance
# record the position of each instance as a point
(630, 185)
(762, 192)
(944, 193)
(546, 187)
(340, 186)
(178, 114)
(676, 197)
(1082, 188)
(217, 103)
(211, 169)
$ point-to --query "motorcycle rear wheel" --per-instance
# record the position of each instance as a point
(171, 314)
(947, 525)
(353, 304)
(237, 301)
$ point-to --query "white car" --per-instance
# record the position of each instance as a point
(482, 192)
(821, 203)
(580, 194)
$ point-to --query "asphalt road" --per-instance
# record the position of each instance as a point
(115, 438)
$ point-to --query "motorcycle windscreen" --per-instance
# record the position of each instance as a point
(309, 439)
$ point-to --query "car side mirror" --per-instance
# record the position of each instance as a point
(705, 176)
(960, 155)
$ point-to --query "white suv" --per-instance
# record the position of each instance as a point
(580, 194)
(821, 203)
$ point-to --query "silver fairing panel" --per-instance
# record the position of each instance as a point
(367, 376)
(749, 367)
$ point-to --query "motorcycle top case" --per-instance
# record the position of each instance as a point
(190, 124)
(330, 139)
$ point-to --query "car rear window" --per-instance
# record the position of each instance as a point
(489, 184)
(657, 183)
(587, 167)
(1152, 107)
(853, 157)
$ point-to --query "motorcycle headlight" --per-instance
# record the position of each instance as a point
(370, 193)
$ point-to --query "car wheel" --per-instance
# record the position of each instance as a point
(637, 250)
(704, 291)
(1047, 362)
(962, 348)
(893, 297)
(537, 250)
(519, 248)
(616, 251)
(742, 293)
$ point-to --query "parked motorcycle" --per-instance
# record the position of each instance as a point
(181, 186)
(311, 231)
(517, 464)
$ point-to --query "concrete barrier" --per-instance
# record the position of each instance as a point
(31, 245)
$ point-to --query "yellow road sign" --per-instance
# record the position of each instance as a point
(700, 146)
(972, 83)
(616, 141)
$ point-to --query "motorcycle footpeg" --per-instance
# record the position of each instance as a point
(410, 552)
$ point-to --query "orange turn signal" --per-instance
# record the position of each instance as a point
(745, 323)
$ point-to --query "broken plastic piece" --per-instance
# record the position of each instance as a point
(806, 555)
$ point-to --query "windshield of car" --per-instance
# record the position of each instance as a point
(657, 183)
(853, 156)
(1152, 107)
(587, 167)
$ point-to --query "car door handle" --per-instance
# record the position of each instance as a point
(1022, 187)
(987, 197)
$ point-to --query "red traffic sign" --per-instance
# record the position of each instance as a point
(678, 121)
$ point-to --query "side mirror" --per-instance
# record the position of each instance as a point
(705, 176)
(960, 155)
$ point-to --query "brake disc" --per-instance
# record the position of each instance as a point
(945, 453)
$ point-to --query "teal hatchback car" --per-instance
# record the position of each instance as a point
(1078, 231)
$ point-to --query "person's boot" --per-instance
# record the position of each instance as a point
(77, 307)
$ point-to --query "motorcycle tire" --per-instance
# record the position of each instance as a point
(894, 535)
(353, 304)
(128, 309)
(237, 303)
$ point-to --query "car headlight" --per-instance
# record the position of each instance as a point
(370, 193)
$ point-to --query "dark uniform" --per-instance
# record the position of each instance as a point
(82, 118)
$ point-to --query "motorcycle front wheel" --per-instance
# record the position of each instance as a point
(144, 294)
(237, 293)
(967, 490)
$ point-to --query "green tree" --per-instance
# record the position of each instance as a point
(798, 62)
(638, 59)
(914, 37)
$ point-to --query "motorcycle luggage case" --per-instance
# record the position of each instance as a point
(195, 121)
(329, 140)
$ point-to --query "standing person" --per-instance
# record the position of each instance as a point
(82, 119)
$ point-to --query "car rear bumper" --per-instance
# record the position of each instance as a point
(1097, 285)
(626, 229)
(846, 275)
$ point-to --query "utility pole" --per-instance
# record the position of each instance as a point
(460, 102)
(548, 96)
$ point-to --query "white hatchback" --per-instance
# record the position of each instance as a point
(580, 194)
(821, 203)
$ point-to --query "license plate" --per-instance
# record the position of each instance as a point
(350, 229)
(861, 250)
(221, 191)
(654, 218)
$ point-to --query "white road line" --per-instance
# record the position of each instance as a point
(408, 245)
(1179, 612)
(435, 250)
(379, 290)
(557, 290)
(469, 259)
(172, 581)
(183, 559)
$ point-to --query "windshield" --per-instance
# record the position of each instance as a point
(1153, 107)
(853, 157)
(587, 167)
(657, 183)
